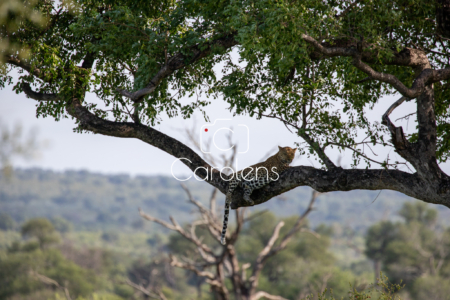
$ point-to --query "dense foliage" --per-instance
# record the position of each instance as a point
(414, 251)
(276, 74)
(417, 256)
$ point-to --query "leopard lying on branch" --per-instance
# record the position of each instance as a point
(255, 177)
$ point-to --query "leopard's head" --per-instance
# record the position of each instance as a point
(286, 154)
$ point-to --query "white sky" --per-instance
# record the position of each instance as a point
(97, 153)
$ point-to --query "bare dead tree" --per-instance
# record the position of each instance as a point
(221, 263)
(217, 263)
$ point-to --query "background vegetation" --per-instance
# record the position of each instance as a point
(82, 230)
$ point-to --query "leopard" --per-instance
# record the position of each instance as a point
(255, 177)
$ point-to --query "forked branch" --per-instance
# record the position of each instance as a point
(269, 250)
(154, 295)
(415, 58)
(176, 227)
(179, 61)
(398, 137)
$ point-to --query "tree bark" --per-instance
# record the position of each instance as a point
(443, 17)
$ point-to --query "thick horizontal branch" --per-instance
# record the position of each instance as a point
(347, 180)
(179, 61)
(181, 153)
(336, 179)
(38, 96)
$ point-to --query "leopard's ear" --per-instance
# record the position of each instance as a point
(279, 148)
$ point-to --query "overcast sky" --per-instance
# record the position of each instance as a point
(97, 153)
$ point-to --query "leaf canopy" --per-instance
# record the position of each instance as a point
(323, 99)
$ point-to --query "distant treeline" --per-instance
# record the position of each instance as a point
(97, 201)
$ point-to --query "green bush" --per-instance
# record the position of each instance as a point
(41, 229)
(17, 270)
(431, 287)
(6, 222)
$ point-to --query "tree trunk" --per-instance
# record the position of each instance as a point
(377, 269)
(443, 17)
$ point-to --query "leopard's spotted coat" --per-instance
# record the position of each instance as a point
(255, 177)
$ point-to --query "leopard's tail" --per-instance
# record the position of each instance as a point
(231, 187)
(225, 220)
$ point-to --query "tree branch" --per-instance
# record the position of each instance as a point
(362, 154)
(320, 151)
(38, 96)
(262, 256)
(398, 137)
(178, 228)
(179, 61)
(324, 181)
(156, 295)
(239, 222)
(427, 76)
(261, 294)
(269, 251)
(297, 225)
(346, 180)
(46, 280)
(26, 66)
(208, 217)
(89, 60)
(176, 263)
(408, 57)
(270, 243)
